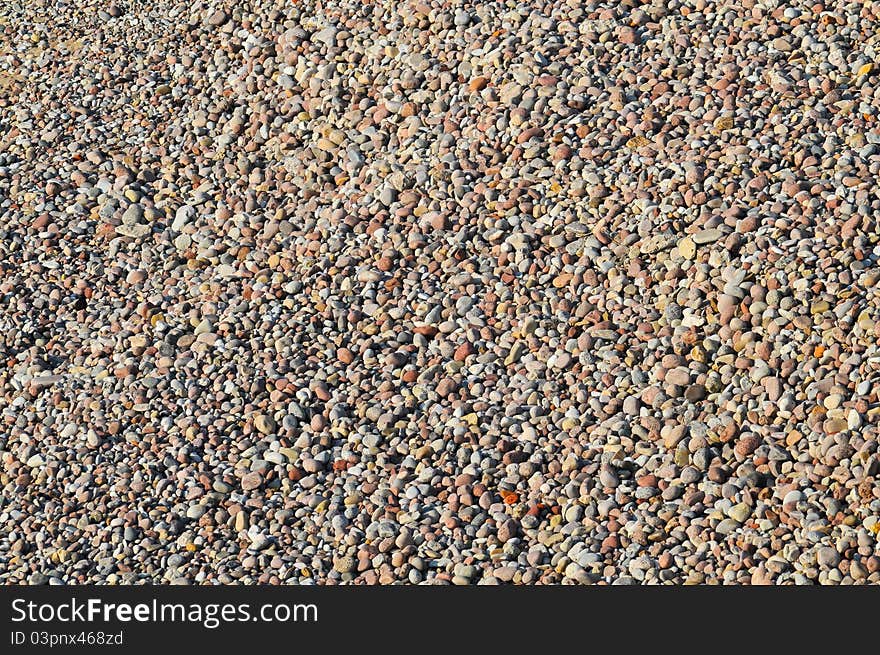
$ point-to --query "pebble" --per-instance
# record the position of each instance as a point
(687, 247)
(265, 423)
(183, 217)
(707, 236)
(134, 231)
(251, 481)
(828, 557)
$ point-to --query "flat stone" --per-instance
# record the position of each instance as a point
(135, 231)
(184, 215)
(707, 236)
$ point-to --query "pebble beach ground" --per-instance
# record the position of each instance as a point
(439, 292)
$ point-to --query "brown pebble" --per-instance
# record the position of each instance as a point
(251, 481)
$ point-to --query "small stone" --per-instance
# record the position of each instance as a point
(251, 481)
(463, 352)
(672, 435)
(853, 420)
(135, 231)
(781, 44)
(628, 36)
(773, 386)
(218, 18)
(345, 564)
(678, 376)
(828, 557)
(695, 393)
(792, 498)
(726, 526)
(707, 236)
(832, 401)
(478, 84)
(739, 512)
(45, 381)
(687, 248)
(184, 215)
(265, 423)
(446, 387)
(133, 215)
(835, 425)
(326, 36)
(508, 530)
(631, 405)
(746, 445)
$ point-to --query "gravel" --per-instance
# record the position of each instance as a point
(454, 293)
